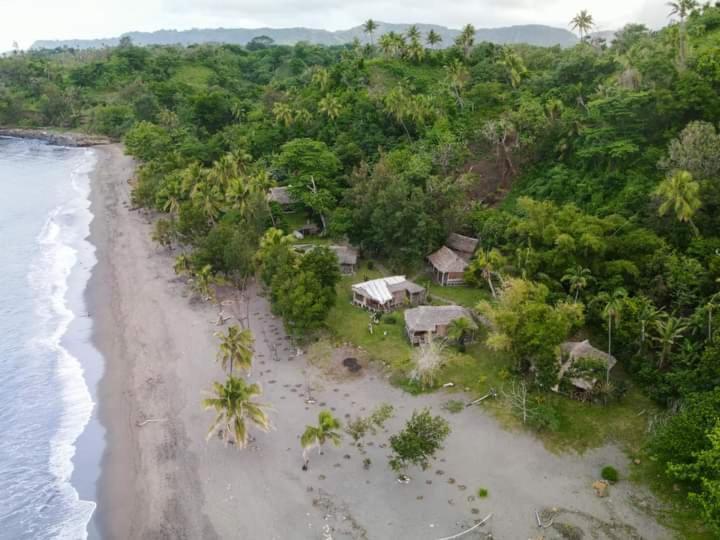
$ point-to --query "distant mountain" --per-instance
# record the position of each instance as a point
(533, 34)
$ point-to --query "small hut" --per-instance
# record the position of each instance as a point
(347, 259)
(282, 196)
(387, 293)
(450, 261)
(424, 323)
(574, 351)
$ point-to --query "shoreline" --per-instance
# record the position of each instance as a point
(56, 137)
(164, 480)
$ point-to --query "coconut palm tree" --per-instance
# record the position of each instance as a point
(647, 314)
(202, 282)
(459, 331)
(369, 28)
(711, 305)
(412, 33)
(283, 113)
(682, 8)
(321, 77)
(330, 106)
(327, 429)
(577, 279)
(397, 104)
(668, 330)
(415, 51)
(209, 198)
(236, 348)
(433, 38)
(466, 40)
(514, 66)
(457, 78)
(486, 265)
(612, 312)
(234, 404)
(680, 193)
(583, 23)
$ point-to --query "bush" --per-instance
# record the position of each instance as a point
(610, 474)
(453, 406)
(390, 318)
(482, 493)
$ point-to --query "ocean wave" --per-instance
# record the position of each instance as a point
(63, 245)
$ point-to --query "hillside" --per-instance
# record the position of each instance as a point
(532, 34)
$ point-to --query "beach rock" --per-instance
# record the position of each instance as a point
(601, 488)
(59, 138)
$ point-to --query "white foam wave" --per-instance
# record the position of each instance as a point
(63, 243)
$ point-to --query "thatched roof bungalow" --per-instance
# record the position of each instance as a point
(450, 261)
(574, 351)
(424, 323)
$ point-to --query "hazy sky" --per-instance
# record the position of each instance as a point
(25, 21)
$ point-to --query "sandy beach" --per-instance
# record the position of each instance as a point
(161, 479)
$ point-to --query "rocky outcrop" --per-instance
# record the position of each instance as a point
(59, 138)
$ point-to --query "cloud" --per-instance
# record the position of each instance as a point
(107, 18)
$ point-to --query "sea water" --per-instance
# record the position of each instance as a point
(50, 440)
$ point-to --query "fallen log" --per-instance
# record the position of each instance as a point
(458, 535)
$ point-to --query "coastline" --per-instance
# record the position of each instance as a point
(56, 137)
(163, 480)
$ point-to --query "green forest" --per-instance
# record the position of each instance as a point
(591, 176)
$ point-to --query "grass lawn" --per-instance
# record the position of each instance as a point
(197, 76)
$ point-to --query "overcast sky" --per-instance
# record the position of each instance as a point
(25, 21)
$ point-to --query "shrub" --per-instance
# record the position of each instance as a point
(390, 318)
(453, 406)
(482, 493)
(610, 474)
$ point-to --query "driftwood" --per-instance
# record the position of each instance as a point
(458, 535)
(149, 420)
(540, 523)
(491, 393)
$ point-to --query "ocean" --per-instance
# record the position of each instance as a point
(51, 442)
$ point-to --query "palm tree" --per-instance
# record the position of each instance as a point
(433, 38)
(583, 23)
(202, 282)
(486, 264)
(236, 348)
(578, 279)
(614, 304)
(283, 113)
(369, 28)
(514, 66)
(647, 314)
(328, 429)
(235, 407)
(466, 39)
(457, 78)
(396, 103)
(412, 33)
(680, 193)
(668, 330)
(330, 106)
(682, 8)
(209, 198)
(321, 77)
(415, 51)
(459, 330)
(713, 303)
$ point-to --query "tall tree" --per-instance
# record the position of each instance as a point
(614, 303)
(577, 278)
(682, 8)
(680, 193)
(236, 348)
(369, 28)
(466, 40)
(433, 38)
(582, 22)
(235, 408)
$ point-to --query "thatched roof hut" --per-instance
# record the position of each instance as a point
(280, 195)
(464, 246)
(572, 352)
(426, 322)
